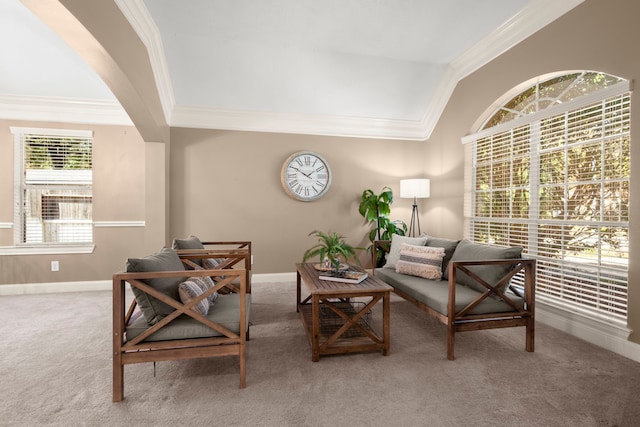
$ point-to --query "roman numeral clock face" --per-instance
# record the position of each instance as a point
(305, 176)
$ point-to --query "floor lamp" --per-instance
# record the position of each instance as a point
(416, 189)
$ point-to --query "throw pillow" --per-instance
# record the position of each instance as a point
(449, 248)
(205, 283)
(211, 263)
(166, 260)
(469, 251)
(396, 243)
(192, 242)
(190, 290)
(421, 261)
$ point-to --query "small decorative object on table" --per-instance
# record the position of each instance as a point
(331, 248)
(346, 276)
(323, 267)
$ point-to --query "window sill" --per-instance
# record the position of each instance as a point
(46, 250)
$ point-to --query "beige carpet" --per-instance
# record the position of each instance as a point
(55, 369)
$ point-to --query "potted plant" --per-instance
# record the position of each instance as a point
(332, 249)
(376, 208)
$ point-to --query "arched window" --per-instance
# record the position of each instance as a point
(549, 171)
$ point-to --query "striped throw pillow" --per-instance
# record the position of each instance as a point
(421, 261)
(188, 291)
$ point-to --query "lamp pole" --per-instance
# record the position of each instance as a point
(415, 219)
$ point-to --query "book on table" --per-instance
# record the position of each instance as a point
(346, 276)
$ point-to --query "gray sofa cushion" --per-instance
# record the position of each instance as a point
(166, 260)
(435, 293)
(449, 247)
(469, 251)
(226, 312)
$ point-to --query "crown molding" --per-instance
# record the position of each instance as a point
(67, 110)
(136, 12)
(536, 15)
(261, 121)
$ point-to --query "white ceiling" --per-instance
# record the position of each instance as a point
(380, 68)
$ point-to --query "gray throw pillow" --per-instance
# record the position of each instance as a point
(469, 251)
(449, 248)
(152, 308)
(192, 242)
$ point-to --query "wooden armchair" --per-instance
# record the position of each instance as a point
(183, 333)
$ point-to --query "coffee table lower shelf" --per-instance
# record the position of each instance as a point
(330, 340)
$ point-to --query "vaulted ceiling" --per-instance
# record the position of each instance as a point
(380, 69)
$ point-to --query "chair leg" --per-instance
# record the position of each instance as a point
(118, 379)
(243, 367)
(530, 335)
(451, 334)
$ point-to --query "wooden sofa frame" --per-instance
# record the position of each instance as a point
(225, 276)
(463, 320)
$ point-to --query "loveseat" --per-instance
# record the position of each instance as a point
(465, 285)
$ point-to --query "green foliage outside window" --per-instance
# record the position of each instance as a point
(43, 152)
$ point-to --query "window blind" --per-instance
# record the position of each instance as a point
(559, 187)
(53, 187)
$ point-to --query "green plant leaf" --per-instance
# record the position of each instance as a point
(376, 209)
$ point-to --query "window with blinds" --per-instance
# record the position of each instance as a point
(53, 187)
(556, 182)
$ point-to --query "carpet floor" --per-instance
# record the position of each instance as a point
(55, 369)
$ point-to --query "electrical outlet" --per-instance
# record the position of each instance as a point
(251, 259)
(55, 266)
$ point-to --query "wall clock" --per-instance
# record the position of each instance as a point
(305, 176)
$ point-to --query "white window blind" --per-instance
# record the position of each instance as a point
(559, 187)
(53, 187)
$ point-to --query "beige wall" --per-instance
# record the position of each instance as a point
(226, 185)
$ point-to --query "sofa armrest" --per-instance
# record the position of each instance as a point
(511, 267)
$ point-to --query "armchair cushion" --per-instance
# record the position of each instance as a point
(469, 251)
(191, 242)
(152, 308)
(225, 313)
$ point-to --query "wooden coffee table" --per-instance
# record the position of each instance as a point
(337, 316)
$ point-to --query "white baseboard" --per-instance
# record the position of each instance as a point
(55, 287)
(611, 337)
(105, 285)
(273, 277)
(608, 336)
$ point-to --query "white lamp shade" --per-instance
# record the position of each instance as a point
(419, 188)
